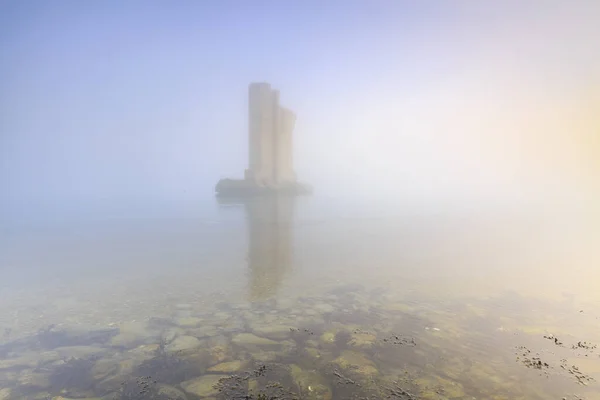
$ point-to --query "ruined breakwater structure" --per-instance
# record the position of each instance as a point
(270, 148)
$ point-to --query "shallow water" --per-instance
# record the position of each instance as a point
(302, 298)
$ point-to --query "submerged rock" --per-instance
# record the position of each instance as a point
(79, 351)
(328, 337)
(136, 329)
(324, 308)
(145, 350)
(218, 354)
(252, 342)
(36, 379)
(219, 350)
(204, 331)
(436, 387)
(357, 362)
(4, 394)
(188, 322)
(226, 367)
(170, 334)
(171, 393)
(29, 360)
(276, 332)
(313, 353)
(183, 344)
(104, 368)
(265, 356)
(311, 384)
(126, 339)
(362, 340)
(203, 386)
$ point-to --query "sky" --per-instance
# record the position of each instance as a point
(145, 102)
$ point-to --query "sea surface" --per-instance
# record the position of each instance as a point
(303, 298)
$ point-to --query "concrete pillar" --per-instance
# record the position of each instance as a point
(261, 134)
(285, 159)
(270, 158)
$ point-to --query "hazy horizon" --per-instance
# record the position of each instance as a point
(131, 105)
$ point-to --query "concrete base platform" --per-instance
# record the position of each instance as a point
(241, 187)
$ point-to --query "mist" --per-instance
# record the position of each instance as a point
(143, 106)
(449, 248)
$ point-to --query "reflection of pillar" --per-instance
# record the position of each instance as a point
(270, 242)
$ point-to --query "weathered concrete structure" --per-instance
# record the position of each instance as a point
(269, 138)
(270, 147)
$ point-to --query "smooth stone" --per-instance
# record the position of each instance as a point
(431, 394)
(183, 343)
(170, 334)
(135, 328)
(252, 385)
(126, 339)
(36, 379)
(310, 383)
(357, 362)
(202, 386)
(232, 325)
(17, 362)
(313, 353)
(43, 396)
(249, 340)
(325, 308)
(450, 388)
(219, 349)
(171, 392)
(145, 350)
(328, 337)
(188, 322)
(4, 394)
(265, 356)
(230, 366)
(362, 340)
(204, 331)
(276, 332)
(127, 366)
(104, 368)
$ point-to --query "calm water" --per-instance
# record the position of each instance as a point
(303, 298)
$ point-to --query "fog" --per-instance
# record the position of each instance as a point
(143, 105)
(454, 151)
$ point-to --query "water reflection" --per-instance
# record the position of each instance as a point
(269, 221)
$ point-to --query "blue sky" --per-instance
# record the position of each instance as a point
(121, 102)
